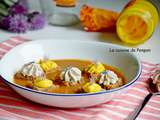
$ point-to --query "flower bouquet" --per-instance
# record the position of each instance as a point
(15, 17)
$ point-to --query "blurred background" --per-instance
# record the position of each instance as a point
(76, 32)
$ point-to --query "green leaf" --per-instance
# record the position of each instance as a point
(15, 1)
(2, 6)
(9, 2)
(3, 11)
(1, 17)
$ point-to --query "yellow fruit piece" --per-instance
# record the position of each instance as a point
(92, 87)
(47, 65)
(43, 83)
(137, 21)
(95, 68)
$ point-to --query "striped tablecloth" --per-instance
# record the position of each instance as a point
(15, 107)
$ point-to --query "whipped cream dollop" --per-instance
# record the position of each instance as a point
(108, 77)
(32, 69)
(71, 74)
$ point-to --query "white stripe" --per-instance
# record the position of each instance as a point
(101, 117)
(142, 83)
(7, 44)
(16, 40)
(139, 90)
(7, 118)
(148, 71)
(125, 101)
(140, 118)
(148, 64)
(144, 77)
(34, 111)
(119, 107)
(109, 111)
(151, 114)
(3, 50)
(134, 96)
(155, 108)
(154, 101)
(75, 113)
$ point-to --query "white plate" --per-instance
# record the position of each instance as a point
(127, 62)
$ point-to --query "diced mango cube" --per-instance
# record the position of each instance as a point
(43, 83)
(95, 68)
(47, 65)
(92, 87)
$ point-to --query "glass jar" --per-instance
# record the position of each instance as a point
(64, 12)
(137, 21)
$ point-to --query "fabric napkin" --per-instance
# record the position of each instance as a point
(15, 107)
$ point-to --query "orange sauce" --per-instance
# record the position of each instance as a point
(76, 88)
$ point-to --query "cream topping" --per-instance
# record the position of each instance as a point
(71, 74)
(32, 69)
(108, 77)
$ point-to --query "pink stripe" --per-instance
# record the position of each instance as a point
(157, 98)
(18, 39)
(11, 94)
(146, 74)
(36, 107)
(2, 53)
(151, 110)
(140, 84)
(11, 42)
(148, 117)
(70, 117)
(156, 105)
(148, 63)
(148, 68)
(129, 98)
(111, 115)
(3, 84)
(99, 117)
(6, 114)
(25, 113)
(5, 47)
(24, 110)
(26, 103)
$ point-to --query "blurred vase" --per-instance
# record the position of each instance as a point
(33, 5)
